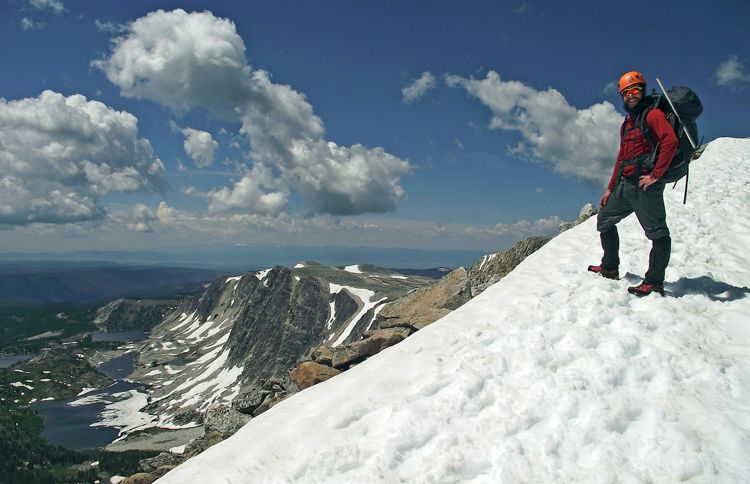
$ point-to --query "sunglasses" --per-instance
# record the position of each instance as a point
(631, 91)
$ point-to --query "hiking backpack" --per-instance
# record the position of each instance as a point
(682, 107)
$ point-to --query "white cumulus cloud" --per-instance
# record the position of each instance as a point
(199, 146)
(256, 191)
(141, 218)
(418, 87)
(731, 73)
(197, 61)
(581, 143)
(60, 155)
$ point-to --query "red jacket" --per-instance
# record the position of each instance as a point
(633, 144)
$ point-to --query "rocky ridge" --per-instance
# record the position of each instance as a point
(399, 319)
(283, 330)
(238, 340)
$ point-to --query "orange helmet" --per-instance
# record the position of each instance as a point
(630, 79)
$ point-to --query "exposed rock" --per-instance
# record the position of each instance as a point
(147, 478)
(310, 373)
(323, 354)
(283, 319)
(223, 420)
(246, 329)
(345, 306)
(375, 342)
(163, 459)
(424, 305)
(587, 211)
(260, 398)
(200, 444)
(270, 402)
(491, 268)
(427, 304)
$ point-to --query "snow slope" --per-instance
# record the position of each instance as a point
(550, 375)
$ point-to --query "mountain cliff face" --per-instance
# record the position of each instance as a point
(242, 332)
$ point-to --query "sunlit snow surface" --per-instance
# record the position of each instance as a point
(551, 375)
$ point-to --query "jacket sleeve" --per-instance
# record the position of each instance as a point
(618, 162)
(664, 135)
(613, 179)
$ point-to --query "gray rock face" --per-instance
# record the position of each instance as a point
(163, 459)
(283, 318)
(223, 420)
(261, 397)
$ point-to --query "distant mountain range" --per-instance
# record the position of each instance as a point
(56, 282)
(241, 259)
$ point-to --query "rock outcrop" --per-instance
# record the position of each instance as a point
(587, 211)
(310, 373)
(223, 420)
(224, 345)
(373, 343)
(428, 304)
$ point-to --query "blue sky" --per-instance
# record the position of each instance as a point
(160, 125)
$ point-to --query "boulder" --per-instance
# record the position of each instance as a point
(163, 459)
(323, 354)
(270, 402)
(223, 420)
(199, 444)
(587, 211)
(310, 373)
(147, 478)
(375, 342)
(262, 396)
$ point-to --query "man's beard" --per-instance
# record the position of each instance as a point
(635, 109)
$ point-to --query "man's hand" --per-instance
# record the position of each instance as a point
(605, 198)
(646, 181)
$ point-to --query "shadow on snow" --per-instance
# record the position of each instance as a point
(686, 286)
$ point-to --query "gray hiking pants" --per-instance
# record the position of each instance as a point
(649, 208)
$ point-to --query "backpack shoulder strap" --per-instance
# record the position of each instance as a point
(643, 125)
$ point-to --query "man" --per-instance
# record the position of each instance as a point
(635, 186)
